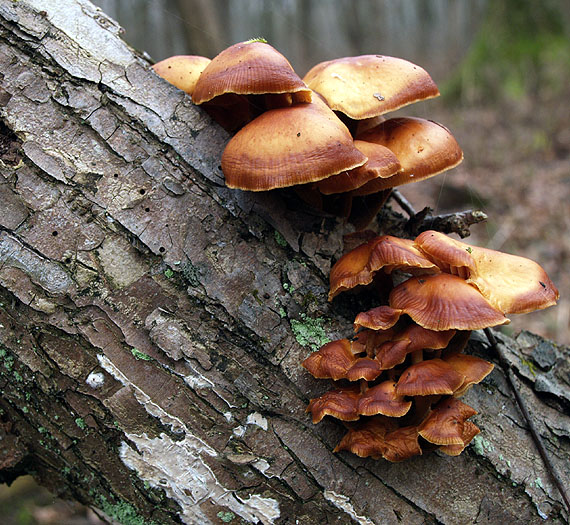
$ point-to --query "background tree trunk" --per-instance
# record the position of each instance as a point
(153, 322)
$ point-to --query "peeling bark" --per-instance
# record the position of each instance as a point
(153, 322)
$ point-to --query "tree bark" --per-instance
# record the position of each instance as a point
(153, 321)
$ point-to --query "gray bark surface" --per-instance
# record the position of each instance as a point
(153, 321)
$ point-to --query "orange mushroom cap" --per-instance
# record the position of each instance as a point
(445, 423)
(411, 339)
(431, 377)
(423, 147)
(364, 368)
(381, 163)
(388, 253)
(383, 399)
(401, 444)
(379, 318)
(473, 369)
(369, 85)
(511, 283)
(444, 302)
(182, 71)
(289, 146)
(367, 437)
(341, 403)
(249, 68)
(470, 430)
(331, 361)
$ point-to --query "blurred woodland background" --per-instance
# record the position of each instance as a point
(503, 69)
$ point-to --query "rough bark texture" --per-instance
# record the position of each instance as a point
(153, 321)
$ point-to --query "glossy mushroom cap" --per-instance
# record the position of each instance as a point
(289, 146)
(427, 378)
(445, 302)
(249, 68)
(380, 437)
(182, 71)
(472, 368)
(445, 424)
(511, 283)
(331, 361)
(341, 403)
(470, 430)
(423, 147)
(383, 399)
(388, 253)
(369, 85)
(381, 163)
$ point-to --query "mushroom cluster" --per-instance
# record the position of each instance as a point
(400, 377)
(325, 133)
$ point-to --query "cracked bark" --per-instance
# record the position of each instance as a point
(151, 318)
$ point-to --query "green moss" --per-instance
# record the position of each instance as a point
(530, 365)
(80, 422)
(122, 512)
(480, 445)
(191, 274)
(226, 517)
(168, 273)
(279, 239)
(309, 331)
(282, 313)
(140, 355)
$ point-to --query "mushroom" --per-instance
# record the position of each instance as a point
(370, 85)
(387, 253)
(182, 71)
(423, 147)
(341, 403)
(288, 146)
(427, 378)
(250, 68)
(445, 423)
(381, 163)
(473, 369)
(445, 302)
(383, 399)
(510, 283)
(470, 430)
(332, 360)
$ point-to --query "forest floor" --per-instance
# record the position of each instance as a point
(517, 170)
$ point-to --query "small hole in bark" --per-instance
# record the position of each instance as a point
(161, 249)
(142, 191)
(116, 175)
(147, 209)
(67, 260)
(54, 233)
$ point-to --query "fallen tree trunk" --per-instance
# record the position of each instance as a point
(153, 321)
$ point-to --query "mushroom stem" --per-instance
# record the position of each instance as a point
(422, 406)
(417, 356)
(506, 366)
(363, 386)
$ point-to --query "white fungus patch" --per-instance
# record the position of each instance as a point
(255, 418)
(177, 467)
(239, 431)
(261, 465)
(343, 503)
(95, 379)
(228, 416)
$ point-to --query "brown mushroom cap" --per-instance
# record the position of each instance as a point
(381, 163)
(341, 403)
(423, 147)
(511, 283)
(431, 377)
(380, 437)
(411, 339)
(470, 430)
(364, 368)
(249, 68)
(388, 253)
(383, 399)
(331, 361)
(367, 437)
(473, 369)
(182, 71)
(445, 423)
(289, 146)
(369, 85)
(379, 318)
(445, 302)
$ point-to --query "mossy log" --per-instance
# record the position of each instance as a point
(153, 321)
